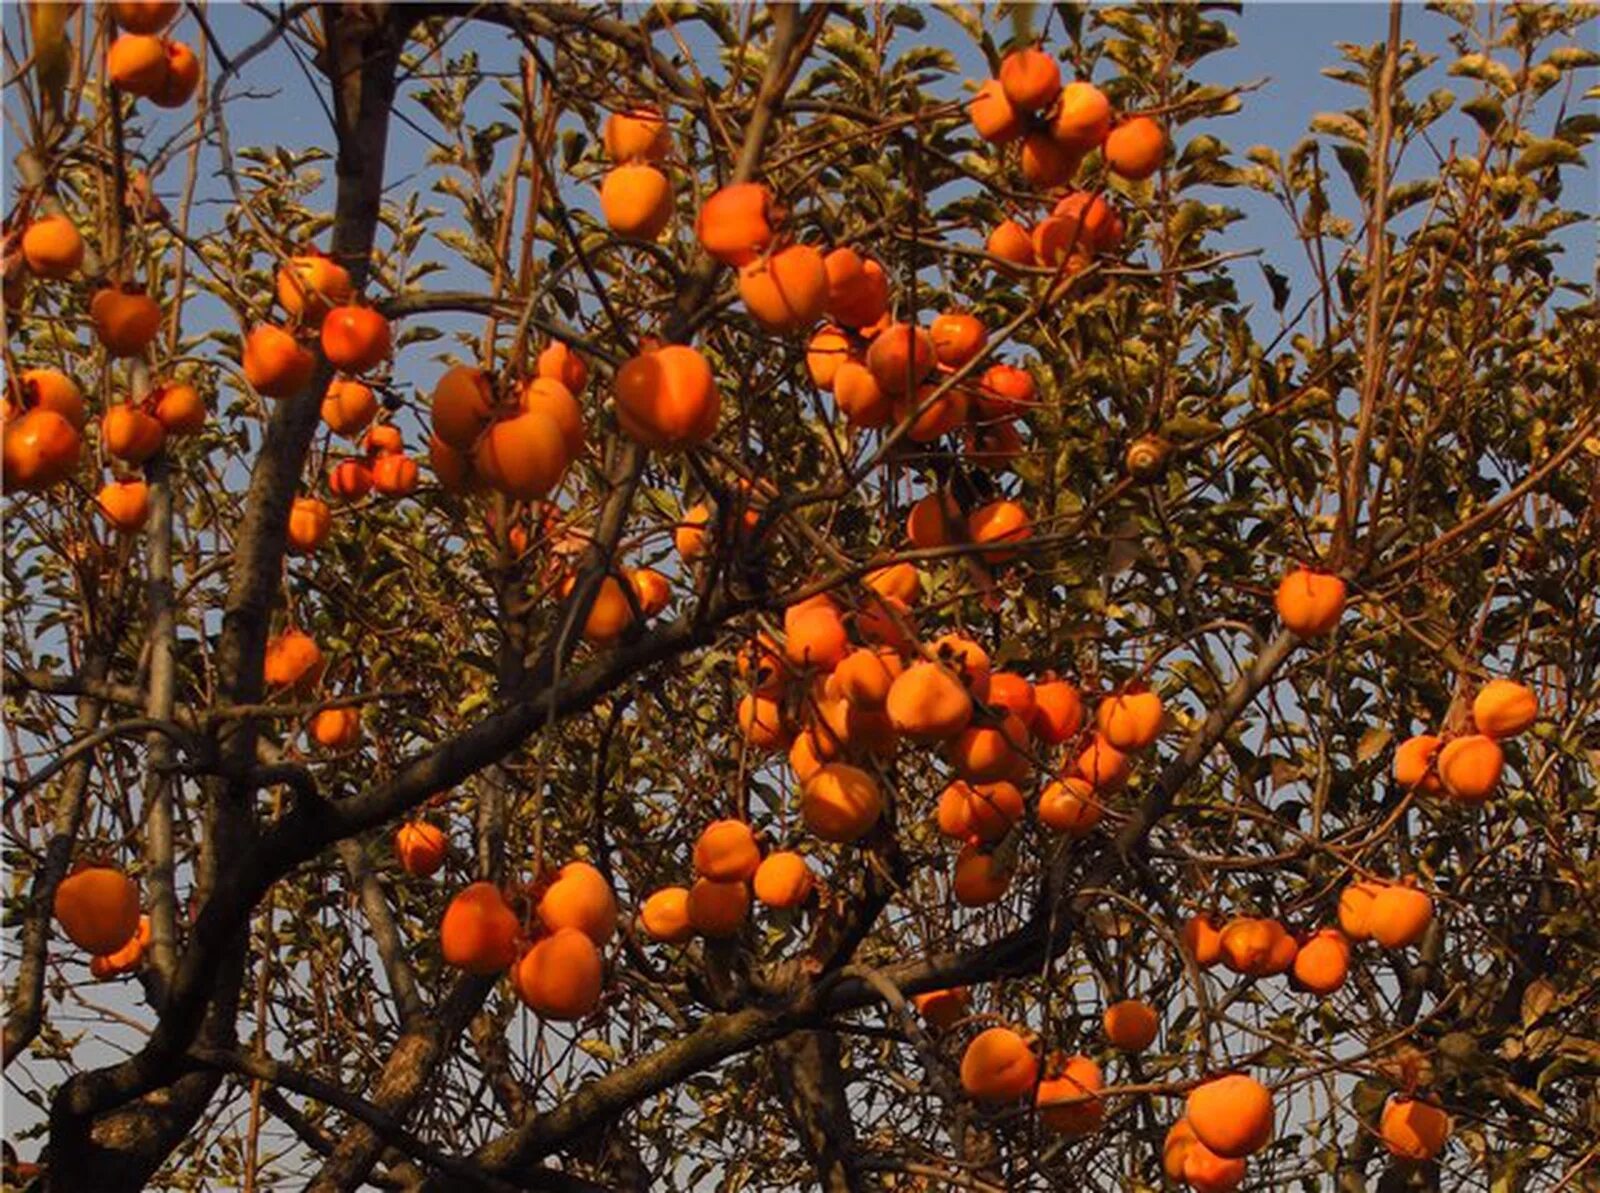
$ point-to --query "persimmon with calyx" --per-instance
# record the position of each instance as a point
(786, 291)
(998, 1066)
(561, 976)
(858, 289)
(1004, 391)
(130, 434)
(137, 64)
(479, 930)
(664, 916)
(1130, 719)
(827, 349)
(610, 615)
(989, 753)
(727, 851)
(652, 589)
(1310, 603)
(1231, 1115)
(275, 363)
(1130, 1025)
(1415, 763)
(957, 338)
(49, 389)
(667, 398)
(636, 134)
(125, 504)
(53, 247)
(125, 320)
(814, 636)
(356, 338)
(718, 909)
(932, 411)
(41, 450)
(927, 702)
(1206, 1172)
(98, 908)
(636, 201)
(581, 898)
(1134, 148)
(735, 225)
(1469, 767)
(309, 524)
(311, 284)
(840, 803)
(1031, 79)
(1257, 947)
(1069, 1101)
(1057, 711)
(1355, 909)
(783, 880)
(968, 660)
(1504, 708)
(865, 676)
(420, 848)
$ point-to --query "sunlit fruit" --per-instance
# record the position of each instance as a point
(125, 321)
(561, 976)
(664, 916)
(981, 877)
(41, 449)
(1469, 767)
(420, 848)
(336, 728)
(1131, 1025)
(1504, 708)
(98, 908)
(667, 398)
(144, 16)
(350, 480)
(636, 201)
(998, 1066)
(356, 338)
(1069, 1101)
(783, 880)
(735, 224)
(1310, 603)
(1031, 79)
(137, 63)
(840, 803)
(1322, 963)
(125, 504)
(727, 851)
(636, 134)
(52, 247)
(901, 357)
(559, 362)
(548, 397)
(1399, 915)
(309, 524)
(1202, 940)
(524, 456)
(1000, 528)
(1069, 806)
(479, 931)
(1083, 117)
(275, 363)
(858, 289)
(787, 290)
(1415, 763)
(292, 658)
(1011, 242)
(311, 284)
(178, 407)
(1413, 1129)
(993, 117)
(1134, 148)
(1231, 1115)
(957, 338)
(718, 909)
(125, 960)
(183, 76)
(130, 434)
(394, 474)
(1130, 719)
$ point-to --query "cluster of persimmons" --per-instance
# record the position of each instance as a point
(850, 679)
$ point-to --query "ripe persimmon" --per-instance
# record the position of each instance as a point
(653, 590)
(178, 407)
(1231, 1115)
(1322, 962)
(1130, 1025)
(356, 338)
(993, 117)
(336, 728)
(1469, 767)
(783, 879)
(1310, 603)
(98, 908)
(1069, 1101)
(581, 898)
(1083, 118)
(183, 76)
(51, 389)
(1031, 79)
(933, 410)
(1004, 391)
(980, 877)
(827, 349)
(125, 321)
(144, 16)
(1504, 708)
(735, 224)
(900, 357)
(1206, 1172)
(1000, 528)
(1399, 915)
(636, 201)
(786, 291)
(125, 504)
(1105, 767)
(998, 1066)
(1355, 909)
(718, 909)
(561, 976)
(292, 658)
(41, 449)
(957, 338)
(1130, 719)
(665, 915)
(1069, 806)
(1134, 148)
(814, 637)
(667, 398)
(394, 474)
(1202, 940)
(137, 64)
(52, 247)
(858, 289)
(1011, 242)
(276, 364)
(479, 930)
(125, 960)
(860, 398)
(636, 134)
(942, 1009)
(727, 851)
(1415, 763)
(130, 434)
(560, 362)
(311, 284)
(762, 721)
(865, 675)
(553, 400)
(1057, 712)
(990, 753)
(523, 456)
(309, 524)
(1047, 163)
(840, 803)
(1412, 1129)
(927, 702)
(1257, 947)
(420, 848)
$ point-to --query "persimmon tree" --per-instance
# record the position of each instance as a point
(775, 614)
